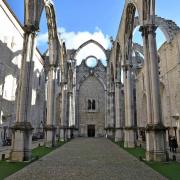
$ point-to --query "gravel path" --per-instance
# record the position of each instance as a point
(87, 159)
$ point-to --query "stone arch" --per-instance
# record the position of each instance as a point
(91, 56)
(168, 27)
(33, 12)
(89, 42)
(54, 44)
(137, 5)
(129, 23)
(117, 63)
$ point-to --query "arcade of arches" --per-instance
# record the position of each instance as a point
(133, 96)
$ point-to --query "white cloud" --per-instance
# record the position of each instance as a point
(74, 39)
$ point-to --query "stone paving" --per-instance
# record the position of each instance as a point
(87, 159)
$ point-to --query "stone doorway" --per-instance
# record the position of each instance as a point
(91, 130)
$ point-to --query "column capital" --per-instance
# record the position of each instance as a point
(30, 29)
(148, 29)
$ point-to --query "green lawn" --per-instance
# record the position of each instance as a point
(42, 151)
(8, 168)
(170, 169)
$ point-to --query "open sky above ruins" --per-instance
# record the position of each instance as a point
(81, 20)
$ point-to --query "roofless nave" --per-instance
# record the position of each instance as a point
(65, 100)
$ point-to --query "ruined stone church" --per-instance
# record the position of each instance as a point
(132, 96)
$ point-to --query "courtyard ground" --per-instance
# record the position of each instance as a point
(87, 159)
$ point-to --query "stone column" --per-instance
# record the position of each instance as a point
(158, 128)
(22, 130)
(118, 115)
(105, 109)
(107, 125)
(149, 134)
(112, 115)
(77, 113)
(63, 113)
(50, 127)
(155, 132)
(70, 114)
(129, 134)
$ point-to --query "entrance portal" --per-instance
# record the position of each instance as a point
(91, 130)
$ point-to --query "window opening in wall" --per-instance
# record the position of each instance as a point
(91, 104)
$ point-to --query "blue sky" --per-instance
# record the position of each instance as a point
(102, 17)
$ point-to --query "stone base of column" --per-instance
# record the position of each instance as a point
(110, 133)
(156, 144)
(21, 142)
(62, 134)
(50, 135)
(129, 137)
(75, 132)
(119, 134)
(69, 133)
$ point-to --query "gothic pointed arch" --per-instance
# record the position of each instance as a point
(53, 39)
(118, 59)
(85, 77)
(91, 41)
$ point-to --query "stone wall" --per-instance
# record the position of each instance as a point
(91, 85)
(92, 89)
(11, 44)
(169, 56)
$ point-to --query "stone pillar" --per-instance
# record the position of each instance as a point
(118, 115)
(70, 111)
(107, 124)
(155, 132)
(129, 134)
(106, 112)
(77, 127)
(159, 130)
(112, 115)
(63, 113)
(149, 134)
(70, 122)
(22, 130)
(50, 127)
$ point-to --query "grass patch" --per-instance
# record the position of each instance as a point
(42, 150)
(8, 168)
(137, 152)
(170, 169)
